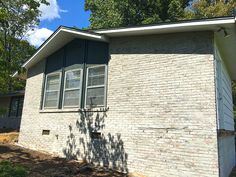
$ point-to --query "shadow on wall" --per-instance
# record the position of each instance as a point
(96, 148)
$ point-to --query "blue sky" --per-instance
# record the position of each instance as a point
(71, 13)
(59, 12)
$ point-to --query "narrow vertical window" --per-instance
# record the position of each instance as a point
(95, 87)
(72, 88)
(52, 90)
(13, 107)
(16, 106)
(20, 106)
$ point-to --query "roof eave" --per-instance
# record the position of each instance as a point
(73, 34)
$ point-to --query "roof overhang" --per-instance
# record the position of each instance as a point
(11, 94)
(58, 39)
(184, 26)
(64, 35)
(226, 44)
(225, 40)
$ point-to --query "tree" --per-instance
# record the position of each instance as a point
(16, 18)
(116, 13)
(210, 8)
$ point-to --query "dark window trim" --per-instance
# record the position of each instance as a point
(99, 86)
(45, 83)
(60, 105)
(80, 88)
(84, 76)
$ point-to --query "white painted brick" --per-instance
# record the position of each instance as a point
(161, 99)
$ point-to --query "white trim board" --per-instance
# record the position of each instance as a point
(174, 27)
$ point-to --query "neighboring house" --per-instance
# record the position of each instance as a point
(153, 100)
(11, 105)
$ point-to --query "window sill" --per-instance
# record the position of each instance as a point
(100, 109)
(59, 110)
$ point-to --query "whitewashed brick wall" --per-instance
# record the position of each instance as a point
(162, 114)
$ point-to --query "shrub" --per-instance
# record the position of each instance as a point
(7, 169)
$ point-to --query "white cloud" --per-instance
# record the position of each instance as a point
(37, 36)
(50, 12)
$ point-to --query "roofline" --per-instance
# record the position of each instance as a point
(174, 25)
(15, 93)
(69, 30)
(103, 34)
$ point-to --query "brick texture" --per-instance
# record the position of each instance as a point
(160, 118)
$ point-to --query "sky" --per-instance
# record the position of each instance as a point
(60, 12)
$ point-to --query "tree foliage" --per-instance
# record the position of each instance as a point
(16, 18)
(210, 8)
(116, 13)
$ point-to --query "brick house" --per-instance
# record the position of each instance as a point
(151, 100)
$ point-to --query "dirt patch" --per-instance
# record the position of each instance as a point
(44, 165)
(10, 137)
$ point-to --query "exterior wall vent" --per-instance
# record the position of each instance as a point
(45, 132)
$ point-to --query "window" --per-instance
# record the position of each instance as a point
(52, 90)
(90, 93)
(72, 88)
(95, 88)
(16, 106)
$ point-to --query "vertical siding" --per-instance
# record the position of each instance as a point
(227, 155)
(226, 144)
(224, 94)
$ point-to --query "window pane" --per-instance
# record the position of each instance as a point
(13, 108)
(53, 82)
(96, 76)
(95, 96)
(51, 99)
(71, 97)
(73, 79)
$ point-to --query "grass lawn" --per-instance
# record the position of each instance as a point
(8, 169)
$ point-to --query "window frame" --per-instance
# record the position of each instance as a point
(45, 87)
(81, 86)
(97, 86)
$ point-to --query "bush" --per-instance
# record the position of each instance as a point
(7, 169)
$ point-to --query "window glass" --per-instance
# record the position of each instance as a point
(72, 79)
(51, 99)
(52, 90)
(96, 76)
(72, 88)
(95, 96)
(13, 107)
(95, 91)
(16, 106)
(20, 106)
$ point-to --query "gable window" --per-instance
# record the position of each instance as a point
(95, 86)
(52, 90)
(72, 88)
(75, 76)
(16, 106)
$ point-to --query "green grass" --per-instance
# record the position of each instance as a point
(7, 169)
